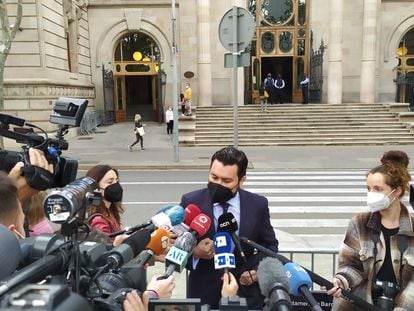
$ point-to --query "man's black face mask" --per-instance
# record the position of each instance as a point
(219, 193)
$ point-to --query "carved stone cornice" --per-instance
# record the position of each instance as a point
(37, 91)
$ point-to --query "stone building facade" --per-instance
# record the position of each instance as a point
(117, 53)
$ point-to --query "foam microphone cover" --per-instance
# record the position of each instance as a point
(186, 242)
(228, 223)
(191, 211)
(159, 241)
(165, 208)
(297, 277)
(9, 252)
(222, 242)
(269, 272)
(138, 241)
(200, 224)
(176, 214)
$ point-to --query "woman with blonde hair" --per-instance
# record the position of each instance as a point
(376, 260)
(35, 215)
(139, 132)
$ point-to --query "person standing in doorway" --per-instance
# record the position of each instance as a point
(188, 96)
(139, 132)
(269, 84)
(169, 119)
(305, 89)
(279, 86)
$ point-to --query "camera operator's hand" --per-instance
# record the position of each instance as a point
(230, 286)
(336, 290)
(36, 158)
(163, 288)
(119, 239)
(133, 302)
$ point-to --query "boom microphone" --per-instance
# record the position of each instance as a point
(170, 216)
(347, 295)
(157, 245)
(128, 249)
(300, 283)
(274, 285)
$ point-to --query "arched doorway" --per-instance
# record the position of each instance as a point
(405, 69)
(281, 44)
(137, 78)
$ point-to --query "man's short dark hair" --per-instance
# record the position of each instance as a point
(230, 156)
(8, 199)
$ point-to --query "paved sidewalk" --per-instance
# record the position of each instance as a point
(109, 144)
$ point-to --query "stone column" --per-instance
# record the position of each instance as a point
(335, 53)
(204, 53)
(368, 61)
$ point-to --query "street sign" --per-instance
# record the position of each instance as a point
(243, 60)
(244, 30)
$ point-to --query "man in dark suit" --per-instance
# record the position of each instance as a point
(227, 174)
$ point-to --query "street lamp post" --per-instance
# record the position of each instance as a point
(174, 85)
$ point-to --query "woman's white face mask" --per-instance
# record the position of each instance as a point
(377, 201)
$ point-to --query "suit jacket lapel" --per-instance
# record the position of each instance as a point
(208, 210)
(244, 215)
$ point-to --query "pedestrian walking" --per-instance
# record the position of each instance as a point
(305, 89)
(188, 97)
(269, 84)
(263, 98)
(169, 119)
(139, 132)
(182, 104)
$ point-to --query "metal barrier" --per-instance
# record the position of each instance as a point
(90, 122)
(325, 266)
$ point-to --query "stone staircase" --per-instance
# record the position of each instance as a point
(292, 125)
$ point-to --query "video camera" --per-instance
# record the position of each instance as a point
(66, 112)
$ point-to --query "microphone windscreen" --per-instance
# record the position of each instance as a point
(200, 224)
(161, 219)
(222, 243)
(191, 211)
(138, 241)
(9, 252)
(269, 272)
(228, 223)
(165, 208)
(297, 277)
(176, 214)
(159, 241)
(186, 242)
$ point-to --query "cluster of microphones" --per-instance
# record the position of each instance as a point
(278, 277)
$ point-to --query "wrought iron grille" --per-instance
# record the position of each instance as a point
(316, 72)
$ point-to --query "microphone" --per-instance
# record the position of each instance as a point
(200, 225)
(157, 245)
(223, 258)
(128, 249)
(228, 223)
(10, 252)
(274, 285)
(177, 257)
(170, 216)
(190, 212)
(300, 283)
(347, 295)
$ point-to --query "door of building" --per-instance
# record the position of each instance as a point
(120, 99)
